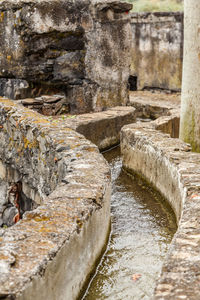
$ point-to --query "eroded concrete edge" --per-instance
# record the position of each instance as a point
(101, 128)
(49, 254)
(174, 170)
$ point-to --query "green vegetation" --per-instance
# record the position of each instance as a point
(156, 5)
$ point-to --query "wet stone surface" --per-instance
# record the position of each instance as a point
(170, 165)
(142, 228)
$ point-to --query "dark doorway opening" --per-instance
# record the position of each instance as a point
(132, 83)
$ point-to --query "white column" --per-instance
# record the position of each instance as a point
(190, 101)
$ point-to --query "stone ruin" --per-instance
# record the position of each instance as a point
(70, 57)
(157, 51)
(66, 57)
(50, 253)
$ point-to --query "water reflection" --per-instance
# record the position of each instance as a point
(142, 228)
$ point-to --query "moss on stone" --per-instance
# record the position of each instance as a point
(1, 16)
(188, 132)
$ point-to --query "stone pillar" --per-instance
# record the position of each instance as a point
(79, 49)
(190, 102)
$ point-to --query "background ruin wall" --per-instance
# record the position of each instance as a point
(79, 49)
(157, 50)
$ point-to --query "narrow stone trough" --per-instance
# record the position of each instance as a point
(154, 151)
(58, 169)
(71, 57)
(52, 250)
(142, 228)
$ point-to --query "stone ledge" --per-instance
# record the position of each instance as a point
(155, 99)
(173, 169)
(51, 251)
(101, 128)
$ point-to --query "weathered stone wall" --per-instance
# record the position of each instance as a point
(101, 128)
(79, 49)
(157, 50)
(51, 251)
(173, 169)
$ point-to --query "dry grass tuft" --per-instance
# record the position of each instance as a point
(156, 5)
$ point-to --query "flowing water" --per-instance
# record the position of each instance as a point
(142, 228)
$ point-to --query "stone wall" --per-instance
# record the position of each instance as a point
(170, 166)
(101, 128)
(79, 49)
(157, 50)
(50, 253)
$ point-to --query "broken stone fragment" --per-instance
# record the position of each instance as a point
(32, 101)
(51, 99)
(52, 109)
(48, 105)
(8, 215)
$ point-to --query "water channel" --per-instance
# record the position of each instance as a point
(142, 228)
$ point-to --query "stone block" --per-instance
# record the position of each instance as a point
(58, 166)
(66, 47)
(157, 50)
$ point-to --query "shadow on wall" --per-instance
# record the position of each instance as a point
(132, 83)
(13, 203)
(170, 125)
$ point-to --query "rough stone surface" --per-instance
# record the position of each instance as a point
(51, 251)
(173, 169)
(14, 88)
(47, 105)
(101, 128)
(157, 50)
(154, 105)
(79, 49)
(156, 98)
